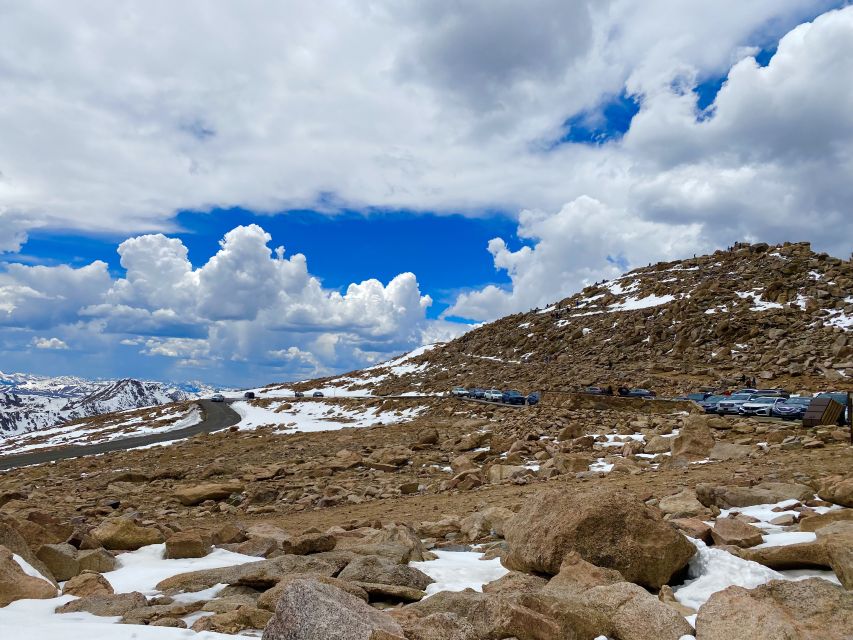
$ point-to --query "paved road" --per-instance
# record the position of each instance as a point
(217, 415)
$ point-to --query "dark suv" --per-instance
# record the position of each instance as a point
(512, 396)
(792, 408)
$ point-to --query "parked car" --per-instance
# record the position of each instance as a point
(459, 392)
(695, 397)
(772, 393)
(217, 397)
(513, 396)
(493, 395)
(636, 393)
(317, 394)
(793, 408)
(710, 403)
(298, 394)
(533, 398)
(732, 403)
(477, 393)
(759, 405)
(740, 391)
(249, 395)
(597, 391)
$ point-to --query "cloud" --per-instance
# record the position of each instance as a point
(449, 106)
(247, 304)
(769, 160)
(49, 343)
(583, 242)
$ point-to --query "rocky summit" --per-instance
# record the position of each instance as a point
(386, 508)
(779, 314)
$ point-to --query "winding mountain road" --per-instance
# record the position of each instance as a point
(217, 415)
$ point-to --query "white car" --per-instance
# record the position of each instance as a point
(762, 406)
(494, 395)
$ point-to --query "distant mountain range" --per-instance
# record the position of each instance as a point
(29, 402)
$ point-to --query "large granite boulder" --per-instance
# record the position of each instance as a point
(778, 610)
(312, 610)
(611, 529)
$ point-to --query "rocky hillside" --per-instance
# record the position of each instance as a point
(782, 314)
(29, 403)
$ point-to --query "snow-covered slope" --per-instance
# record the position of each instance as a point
(30, 402)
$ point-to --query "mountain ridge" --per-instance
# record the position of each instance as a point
(780, 314)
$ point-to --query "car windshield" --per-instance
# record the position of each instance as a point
(763, 400)
(739, 396)
(711, 399)
(798, 401)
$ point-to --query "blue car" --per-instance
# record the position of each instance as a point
(511, 396)
(792, 408)
(533, 398)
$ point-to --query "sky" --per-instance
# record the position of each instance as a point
(268, 191)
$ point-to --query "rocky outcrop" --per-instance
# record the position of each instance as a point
(103, 604)
(87, 584)
(187, 544)
(312, 610)
(124, 534)
(694, 441)
(17, 584)
(196, 494)
(838, 490)
(608, 529)
(729, 496)
(734, 532)
(375, 569)
(812, 608)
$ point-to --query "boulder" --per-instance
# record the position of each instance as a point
(233, 622)
(734, 532)
(269, 598)
(16, 583)
(729, 496)
(729, 451)
(87, 584)
(500, 472)
(393, 535)
(196, 494)
(693, 527)
(187, 544)
(805, 555)
(682, 505)
(124, 534)
(99, 560)
(440, 626)
(380, 570)
(815, 522)
(694, 441)
(312, 610)
(613, 529)
(14, 542)
(116, 604)
(837, 540)
(258, 575)
(60, 559)
(481, 524)
(838, 490)
(308, 543)
(386, 593)
(657, 444)
(782, 609)
(491, 616)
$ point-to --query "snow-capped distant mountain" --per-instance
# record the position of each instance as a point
(30, 402)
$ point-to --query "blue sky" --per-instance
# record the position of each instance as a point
(425, 167)
(449, 255)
